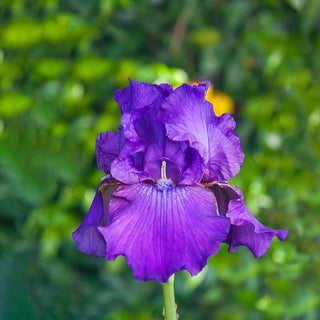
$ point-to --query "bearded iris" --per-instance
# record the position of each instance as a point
(165, 203)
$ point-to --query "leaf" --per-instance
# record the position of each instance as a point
(14, 103)
(21, 34)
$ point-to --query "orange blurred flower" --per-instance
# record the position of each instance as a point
(222, 103)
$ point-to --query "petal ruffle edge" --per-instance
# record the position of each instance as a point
(163, 232)
(245, 229)
(186, 115)
(140, 95)
(225, 152)
(189, 117)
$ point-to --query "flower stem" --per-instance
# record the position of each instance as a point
(169, 311)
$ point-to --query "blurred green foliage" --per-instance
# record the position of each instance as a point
(60, 62)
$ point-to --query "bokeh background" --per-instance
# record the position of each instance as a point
(59, 64)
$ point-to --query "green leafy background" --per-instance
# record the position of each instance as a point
(59, 64)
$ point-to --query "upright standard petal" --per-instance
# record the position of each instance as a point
(141, 157)
(140, 95)
(225, 152)
(135, 101)
(162, 231)
(108, 147)
(87, 237)
(245, 229)
(128, 166)
(193, 172)
(188, 117)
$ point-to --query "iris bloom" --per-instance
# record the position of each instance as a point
(165, 203)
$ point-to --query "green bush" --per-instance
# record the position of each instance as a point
(59, 64)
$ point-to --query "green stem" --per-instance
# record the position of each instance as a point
(168, 298)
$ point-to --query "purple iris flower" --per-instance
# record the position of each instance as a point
(165, 203)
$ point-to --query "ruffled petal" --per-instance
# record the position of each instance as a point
(193, 171)
(141, 157)
(108, 147)
(245, 229)
(128, 166)
(123, 97)
(87, 237)
(140, 95)
(188, 117)
(147, 144)
(163, 232)
(149, 129)
(135, 101)
(226, 156)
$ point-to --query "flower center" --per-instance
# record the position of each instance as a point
(164, 183)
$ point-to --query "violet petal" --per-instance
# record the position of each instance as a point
(87, 237)
(127, 167)
(108, 147)
(135, 101)
(163, 232)
(225, 152)
(245, 229)
(188, 117)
